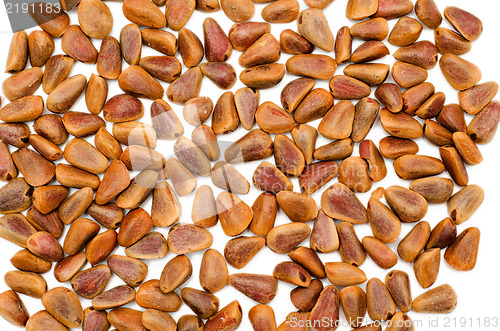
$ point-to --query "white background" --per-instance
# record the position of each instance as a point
(478, 290)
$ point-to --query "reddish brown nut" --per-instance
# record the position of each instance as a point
(442, 235)
(380, 304)
(380, 253)
(264, 50)
(422, 53)
(64, 305)
(12, 308)
(400, 125)
(462, 253)
(80, 233)
(68, 267)
(483, 126)
(234, 214)
(213, 271)
(426, 267)
(393, 9)
(149, 296)
(417, 166)
(315, 105)
(372, 29)
(351, 250)
(123, 318)
(327, 307)
(18, 53)
(460, 73)
(27, 283)
(185, 238)
(260, 288)
(454, 165)
(369, 51)
(293, 43)
(448, 41)
(217, 45)
(414, 242)
(227, 318)
(415, 96)
(244, 34)
(369, 151)
(144, 13)
(46, 246)
(272, 119)
(428, 13)
(201, 303)
(313, 25)
(99, 248)
(385, 225)
(361, 9)
(263, 76)
(353, 302)
(439, 300)
(239, 251)
(178, 12)
(131, 43)
(408, 205)
(390, 96)
(354, 172)
(474, 99)
(466, 23)
(151, 246)
(393, 148)
(316, 66)
(406, 31)
(262, 317)
(408, 75)
(284, 238)
(264, 214)
(398, 284)
(463, 204)
(316, 175)
(339, 202)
